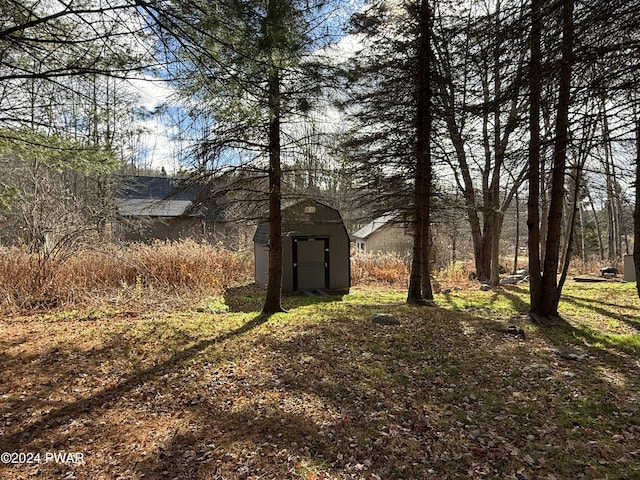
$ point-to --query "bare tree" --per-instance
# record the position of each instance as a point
(481, 61)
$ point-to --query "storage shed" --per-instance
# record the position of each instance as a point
(315, 247)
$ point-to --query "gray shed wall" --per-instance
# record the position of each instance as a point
(325, 222)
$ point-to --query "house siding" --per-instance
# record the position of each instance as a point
(389, 239)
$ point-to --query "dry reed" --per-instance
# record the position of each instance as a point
(379, 268)
(117, 274)
(171, 273)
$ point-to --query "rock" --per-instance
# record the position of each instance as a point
(537, 369)
(384, 319)
(570, 353)
(514, 330)
(485, 287)
(511, 280)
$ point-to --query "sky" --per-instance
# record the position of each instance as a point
(159, 148)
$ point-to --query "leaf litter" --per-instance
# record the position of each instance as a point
(320, 393)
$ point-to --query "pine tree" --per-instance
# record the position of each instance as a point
(247, 66)
(390, 110)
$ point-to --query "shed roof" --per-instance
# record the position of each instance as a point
(302, 212)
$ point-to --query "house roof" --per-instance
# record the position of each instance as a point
(374, 226)
(163, 197)
(262, 234)
(151, 207)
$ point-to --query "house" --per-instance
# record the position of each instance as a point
(384, 234)
(315, 246)
(161, 208)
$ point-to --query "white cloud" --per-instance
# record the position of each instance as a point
(152, 92)
(158, 148)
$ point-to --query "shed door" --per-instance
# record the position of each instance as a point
(310, 263)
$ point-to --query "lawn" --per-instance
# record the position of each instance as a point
(218, 392)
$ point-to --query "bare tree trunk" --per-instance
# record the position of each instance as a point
(550, 288)
(533, 203)
(545, 181)
(612, 211)
(498, 218)
(621, 232)
(583, 239)
(517, 243)
(597, 224)
(636, 211)
(571, 227)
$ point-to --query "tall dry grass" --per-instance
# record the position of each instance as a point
(119, 275)
(392, 269)
(379, 268)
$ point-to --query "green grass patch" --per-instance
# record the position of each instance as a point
(323, 392)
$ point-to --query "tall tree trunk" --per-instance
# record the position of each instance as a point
(427, 289)
(612, 215)
(636, 211)
(583, 239)
(533, 203)
(498, 219)
(496, 215)
(420, 291)
(272, 303)
(483, 251)
(517, 242)
(550, 288)
(571, 227)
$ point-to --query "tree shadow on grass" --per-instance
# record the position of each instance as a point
(35, 433)
(345, 396)
(250, 298)
(320, 408)
(512, 294)
(418, 400)
(517, 303)
(602, 309)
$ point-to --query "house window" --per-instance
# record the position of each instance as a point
(361, 246)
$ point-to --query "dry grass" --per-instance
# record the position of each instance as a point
(379, 269)
(116, 274)
(392, 270)
(173, 274)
